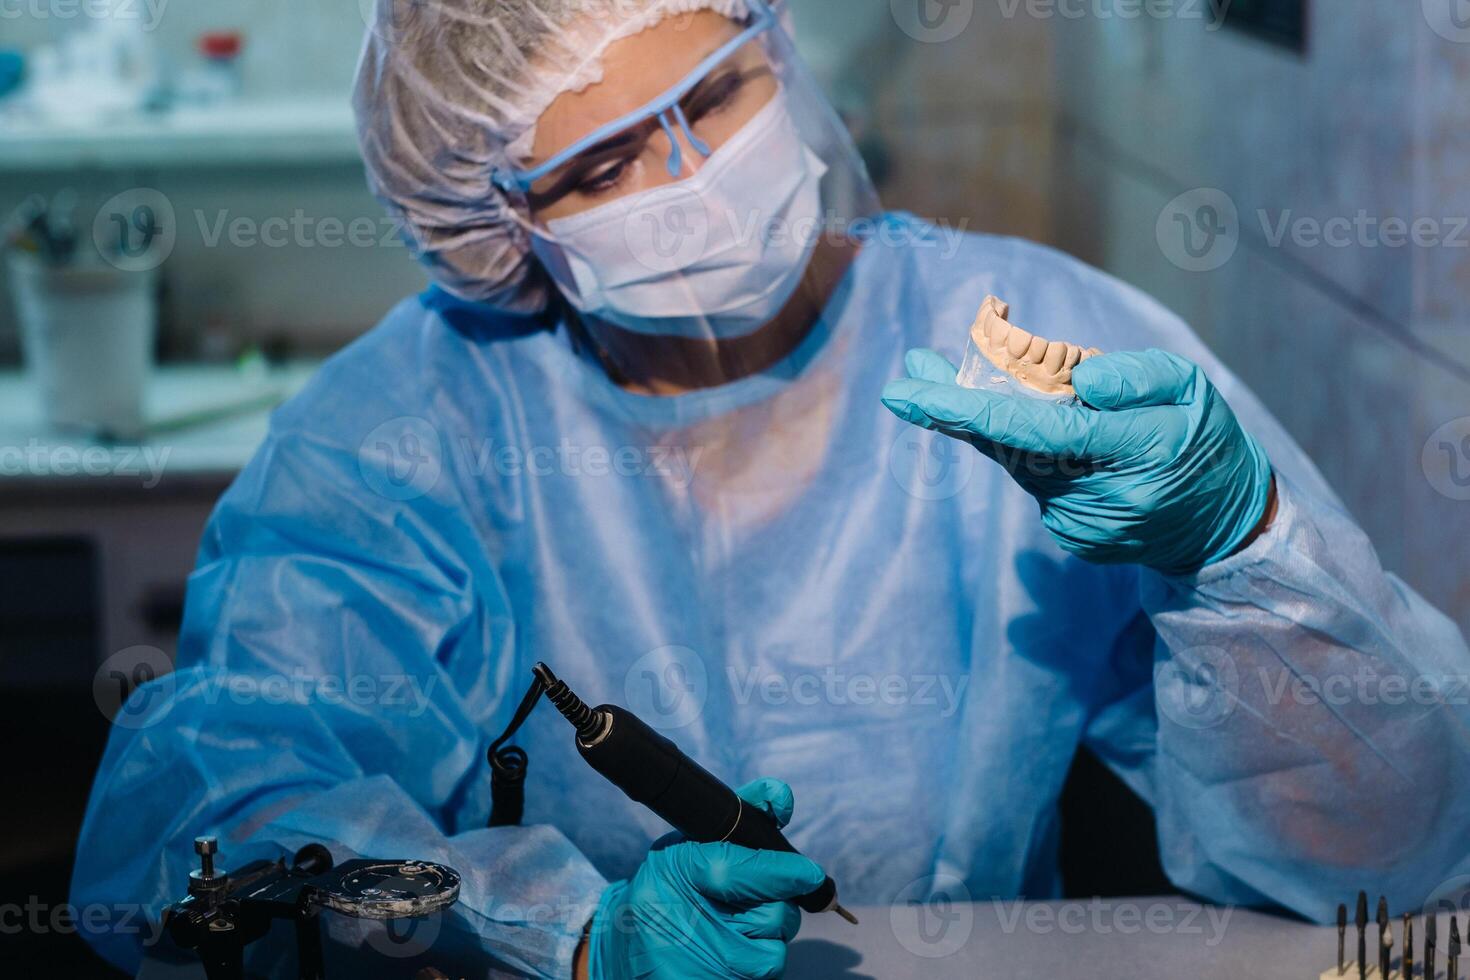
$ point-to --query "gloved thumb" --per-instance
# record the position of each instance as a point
(1113, 382)
(770, 795)
(923, 364)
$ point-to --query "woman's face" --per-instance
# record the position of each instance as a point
(637, 70)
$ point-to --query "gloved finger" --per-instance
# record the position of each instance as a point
(1029, 425)
(1112, 382)
(923, 364)
(758, 959)
(744, 877)
(770, 795)
(774, 920)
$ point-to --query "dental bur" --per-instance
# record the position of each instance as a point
(1407, 968)
(1360, 919)
(1431, 942)
(652, 770)
(1385, 938)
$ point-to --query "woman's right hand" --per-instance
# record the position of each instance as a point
(704, 910)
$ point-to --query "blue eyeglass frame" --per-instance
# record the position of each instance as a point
(663, 107)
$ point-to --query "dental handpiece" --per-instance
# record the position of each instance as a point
(651, 770)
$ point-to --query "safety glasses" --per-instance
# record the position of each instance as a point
(682, 106)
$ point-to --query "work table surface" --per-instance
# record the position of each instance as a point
(1115, 938)
(1087, 939)
(206, 421)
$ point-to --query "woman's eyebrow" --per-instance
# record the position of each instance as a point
(622, 144)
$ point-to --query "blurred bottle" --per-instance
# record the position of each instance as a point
(216, 77)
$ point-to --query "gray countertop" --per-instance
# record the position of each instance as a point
(1090, 939)
(1123, 938)
(205, 422)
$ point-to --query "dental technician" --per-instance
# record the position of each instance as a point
(646, 427)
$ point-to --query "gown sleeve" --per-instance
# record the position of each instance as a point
(338, 665)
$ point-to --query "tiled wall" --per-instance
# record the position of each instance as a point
(1078, 124)
(1362, 349)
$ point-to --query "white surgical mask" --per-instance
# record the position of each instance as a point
(713, 256)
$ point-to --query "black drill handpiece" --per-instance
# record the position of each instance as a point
(653, 771)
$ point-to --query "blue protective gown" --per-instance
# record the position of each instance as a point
(789, 581)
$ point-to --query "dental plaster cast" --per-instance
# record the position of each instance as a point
(999, 350)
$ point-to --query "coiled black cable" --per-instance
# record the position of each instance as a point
(585, 720)
(508, 766)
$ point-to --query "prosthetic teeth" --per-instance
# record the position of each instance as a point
(1038, 363)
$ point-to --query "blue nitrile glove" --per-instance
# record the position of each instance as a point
(705, 910)
(1153, 469)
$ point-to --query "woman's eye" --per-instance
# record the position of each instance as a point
(603, 180)
(715, 96)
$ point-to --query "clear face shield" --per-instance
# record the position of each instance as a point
(700, 234)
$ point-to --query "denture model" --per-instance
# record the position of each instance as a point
(1039, 364)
